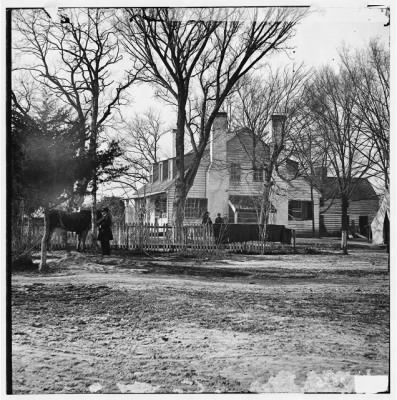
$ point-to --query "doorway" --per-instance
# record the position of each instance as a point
(363, 225)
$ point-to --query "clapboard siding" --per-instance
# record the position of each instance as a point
(240, 151)
(299, 189)
(240, 147)
(303, 228)
(332, 213)
(199, 188)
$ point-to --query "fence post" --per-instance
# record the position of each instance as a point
(140, 236)
(294, 239)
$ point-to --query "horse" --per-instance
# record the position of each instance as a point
(79, 222)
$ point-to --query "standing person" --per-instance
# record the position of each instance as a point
(219, 219)
(207, 225)
(206, 219)
(217, 227)
(105, 231)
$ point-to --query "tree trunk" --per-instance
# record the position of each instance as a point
(179, 216)
(180, 183)
(93, 216)
(312, 200)
(93, 150)
(264, 213)
(43, 267)
(345, 222)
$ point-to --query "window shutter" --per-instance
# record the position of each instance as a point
(165, 170)
(155, 172)
(309, 210)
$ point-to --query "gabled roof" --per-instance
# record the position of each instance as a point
(361, 189)
(161, 186)
(153, 188)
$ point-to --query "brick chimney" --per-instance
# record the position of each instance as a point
(278, 121)
(218, 138)
(218, 172)
(173, 143)
(320, 175)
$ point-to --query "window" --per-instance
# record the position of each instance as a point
(300, 210)
(165, 170)
(258, 175)
(161, 171)
(155, 172)
(235, 172)
(174, 168)
(195, 208)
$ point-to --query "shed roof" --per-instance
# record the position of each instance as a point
(361, 189)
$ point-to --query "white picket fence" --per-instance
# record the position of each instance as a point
(163, 238)
(155, 238)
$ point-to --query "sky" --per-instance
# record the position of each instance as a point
(318, 38)
(329, 25)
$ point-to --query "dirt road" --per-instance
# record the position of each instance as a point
(155, 324)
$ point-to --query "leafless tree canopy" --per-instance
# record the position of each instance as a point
(254, 102)
(195, 60)
(76, 57)
(369, 71)
(78, 60)
(201, 61)
(140, 141)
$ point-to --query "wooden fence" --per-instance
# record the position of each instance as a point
(154, 238)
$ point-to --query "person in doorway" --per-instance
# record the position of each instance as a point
(105, 234)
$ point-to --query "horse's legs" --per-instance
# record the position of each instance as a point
(78, 242)
(83, 237)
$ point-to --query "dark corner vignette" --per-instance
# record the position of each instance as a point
(8, 211)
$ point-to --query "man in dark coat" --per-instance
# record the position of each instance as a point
(218, 228)
(105, 232)
(206, 219)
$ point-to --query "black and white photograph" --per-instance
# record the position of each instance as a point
(197, 198)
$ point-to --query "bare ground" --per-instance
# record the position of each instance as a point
(123, 324)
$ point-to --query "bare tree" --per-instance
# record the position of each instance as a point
(271, 99)
(369, 71)
(168, 44)
(331, 99)
(77, 58)
(140, 141)
(196, 57)
(308, 148)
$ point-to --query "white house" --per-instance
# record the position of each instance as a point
(230, 181)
